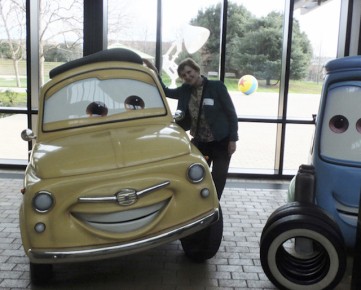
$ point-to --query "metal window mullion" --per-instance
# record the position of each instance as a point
(32, 60)
(158, 44)
(284, 86)
(95, 19)
(105, 24)
(223, 40)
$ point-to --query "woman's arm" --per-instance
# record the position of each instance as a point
(229, 110)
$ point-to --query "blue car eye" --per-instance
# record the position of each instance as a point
(338, 124)
(358, 125)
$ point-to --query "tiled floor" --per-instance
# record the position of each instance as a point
(246, 206)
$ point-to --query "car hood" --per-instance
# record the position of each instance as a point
(108, 149)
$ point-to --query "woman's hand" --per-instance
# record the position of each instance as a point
(231, 147)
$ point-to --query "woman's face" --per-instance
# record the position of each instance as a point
(190, 76)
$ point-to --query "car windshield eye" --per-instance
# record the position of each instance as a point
(72, 105)
(341, 126)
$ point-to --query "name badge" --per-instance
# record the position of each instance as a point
(208, 102)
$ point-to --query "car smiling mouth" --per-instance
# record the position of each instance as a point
(123, 221)
(347, 213)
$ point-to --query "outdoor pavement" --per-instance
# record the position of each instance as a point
(246, 205)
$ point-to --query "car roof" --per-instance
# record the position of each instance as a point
(114, 54)
(344, 63)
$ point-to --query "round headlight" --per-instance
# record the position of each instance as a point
(196, 173)
(43, 201)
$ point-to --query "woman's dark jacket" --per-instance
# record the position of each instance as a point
(217, 106)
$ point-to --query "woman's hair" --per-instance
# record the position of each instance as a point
(189, 62)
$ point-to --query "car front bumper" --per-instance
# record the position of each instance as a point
(45, 256)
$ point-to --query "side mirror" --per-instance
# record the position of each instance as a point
(178, 115)
(27, 135)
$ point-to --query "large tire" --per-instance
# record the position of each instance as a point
(323, 268)
(40, 274)
(204, 244)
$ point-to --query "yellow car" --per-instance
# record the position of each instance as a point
(110, 172)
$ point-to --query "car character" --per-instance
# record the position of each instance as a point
(320, 221)
(110, 172)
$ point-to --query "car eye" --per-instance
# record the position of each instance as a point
(338, 124)
(196, 173)
(358, 125)
(43, 201)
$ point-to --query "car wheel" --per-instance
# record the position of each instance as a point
(321, 265)
(40, 273)
(204, 244)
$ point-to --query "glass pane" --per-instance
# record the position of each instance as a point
(61, 34)
(190, 29)
(12, 146)
(12, 54)
(314, 43)
(133, 25)
(253, 55)
(255, 148)
(297, 147)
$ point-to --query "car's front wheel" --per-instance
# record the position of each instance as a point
(40, 273)
(302, 248)
(204, 244)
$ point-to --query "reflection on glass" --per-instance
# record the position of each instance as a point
(297, 147)
(190, 29)
(133, 25)
(322, 37)
(61, 34)
(12, 146)
(12, 54)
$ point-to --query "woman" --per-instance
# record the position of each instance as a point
(209, 115)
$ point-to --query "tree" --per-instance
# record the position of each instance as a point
(254, 46)
(237, 18)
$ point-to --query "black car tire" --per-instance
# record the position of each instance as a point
(297, 207)
(204, 244)
(323, 269)
(40, 273)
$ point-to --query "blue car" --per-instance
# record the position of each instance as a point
(304, 242)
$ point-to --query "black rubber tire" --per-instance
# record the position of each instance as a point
(40, 274)
(297, 207)
(204, 244)
(324, 269)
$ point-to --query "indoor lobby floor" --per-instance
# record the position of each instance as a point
(246, 205)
